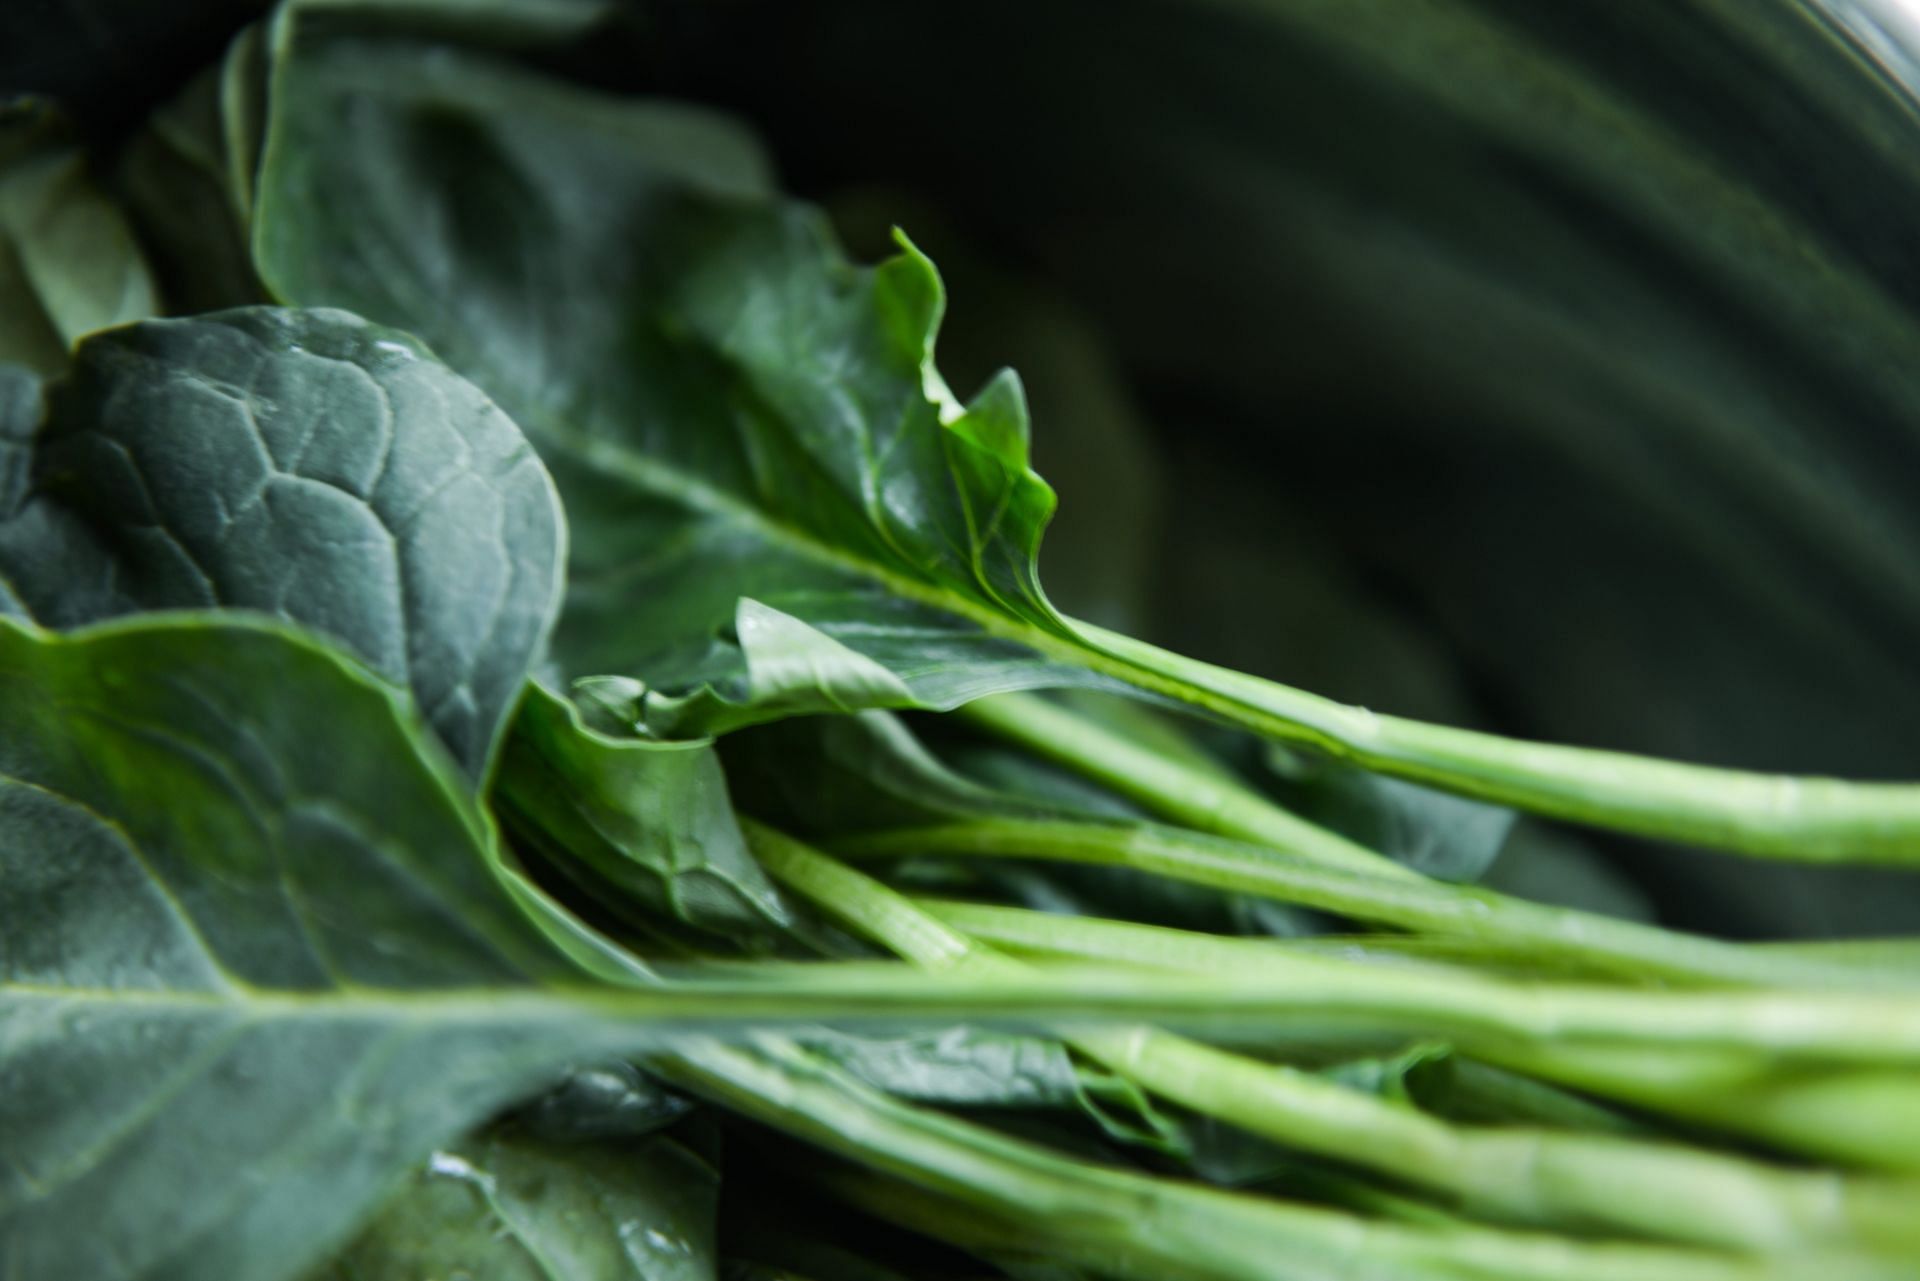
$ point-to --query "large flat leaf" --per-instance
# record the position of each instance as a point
(311, 466)
(228, 860)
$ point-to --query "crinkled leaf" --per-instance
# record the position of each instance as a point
(307, 465)
(68, 263)
(650, 822)
(505, 1207)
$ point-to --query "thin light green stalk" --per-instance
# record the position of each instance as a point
(1033, 934)
(1527, 1176)
(1321, 993)
(1051, 936)
(1122, 1224)
(1814, 820)
(1173, 789)
(1056, 937)
(1858, 1117)
(1886, 955)
(1561, 934)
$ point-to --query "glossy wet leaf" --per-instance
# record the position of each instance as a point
(505, 1207)
(304, 464)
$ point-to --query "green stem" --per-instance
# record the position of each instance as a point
(1173, 789)
(1563, 935)
(1527, 1176)
(1814, 820)
(1052, 936)
(1008, 1194)
(1862, 1118)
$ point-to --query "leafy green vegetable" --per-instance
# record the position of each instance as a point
(709, 379)
(238, 876)
(308, 465)
(838, 776)
(379, 898)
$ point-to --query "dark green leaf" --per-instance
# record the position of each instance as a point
(734, 413)
(505, 1207)
(308, 465)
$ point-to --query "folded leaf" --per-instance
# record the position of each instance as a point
(646, 823)
(307, 465)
